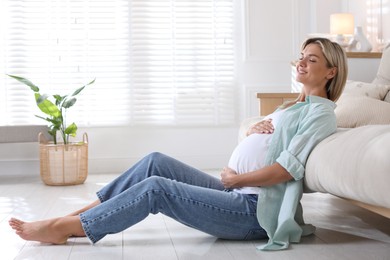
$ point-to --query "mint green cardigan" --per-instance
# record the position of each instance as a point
(279, 211)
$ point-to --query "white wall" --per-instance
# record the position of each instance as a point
(270, 34)
(269, 42)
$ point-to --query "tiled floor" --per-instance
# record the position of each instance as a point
(343, 231)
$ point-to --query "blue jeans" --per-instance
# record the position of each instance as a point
(160, 184)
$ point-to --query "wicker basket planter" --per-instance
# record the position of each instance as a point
(63, 164)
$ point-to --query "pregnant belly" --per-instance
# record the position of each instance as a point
(249, 155)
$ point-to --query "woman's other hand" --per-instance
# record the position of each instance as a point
(228, 177)
(262, 127)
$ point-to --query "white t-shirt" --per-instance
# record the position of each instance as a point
(250, 153)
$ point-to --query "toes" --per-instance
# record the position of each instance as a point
(16, 223)
(13, 221)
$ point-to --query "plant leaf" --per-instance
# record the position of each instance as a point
(26, 82)
(41, 98)
(45, 118)
(46, 106)
(59, 99)
(56, 121)
(71, 130)
(69, 103)
(80, 89)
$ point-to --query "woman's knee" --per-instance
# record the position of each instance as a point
(159, 161)
(158, 185)
(156, 157)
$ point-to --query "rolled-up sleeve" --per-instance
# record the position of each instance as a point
(319, 123)
(291, 164)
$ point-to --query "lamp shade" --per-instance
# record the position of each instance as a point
(341, 23)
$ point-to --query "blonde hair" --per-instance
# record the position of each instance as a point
(335, 58)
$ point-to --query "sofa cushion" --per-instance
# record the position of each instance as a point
(387, 97)
(353, 164)
(353, 111)
(377, 91)
(383, 74)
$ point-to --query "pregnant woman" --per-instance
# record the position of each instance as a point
(258, 194)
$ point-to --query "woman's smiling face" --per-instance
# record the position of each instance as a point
(312, 68)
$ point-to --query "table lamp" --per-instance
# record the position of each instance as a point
(341, 25)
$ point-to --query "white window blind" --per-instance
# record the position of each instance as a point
(160, 62)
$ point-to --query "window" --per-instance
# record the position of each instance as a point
(160, 62)
(376, 17)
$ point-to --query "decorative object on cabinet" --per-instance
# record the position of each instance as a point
(359, 42)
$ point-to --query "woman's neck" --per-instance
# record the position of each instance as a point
(320, 92)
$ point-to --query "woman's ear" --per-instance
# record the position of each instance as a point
(332, 73)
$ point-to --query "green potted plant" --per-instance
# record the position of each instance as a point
(65, 162)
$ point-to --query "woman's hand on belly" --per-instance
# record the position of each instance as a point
(262, 127)
(266, 176)
(228, 177)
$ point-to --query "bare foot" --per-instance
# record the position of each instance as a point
(53, 231)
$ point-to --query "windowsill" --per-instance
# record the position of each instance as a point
(21, 133)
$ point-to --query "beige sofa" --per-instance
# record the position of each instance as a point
(354, 163)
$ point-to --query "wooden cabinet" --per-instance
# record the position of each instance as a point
(363, 66)
(268, 102)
